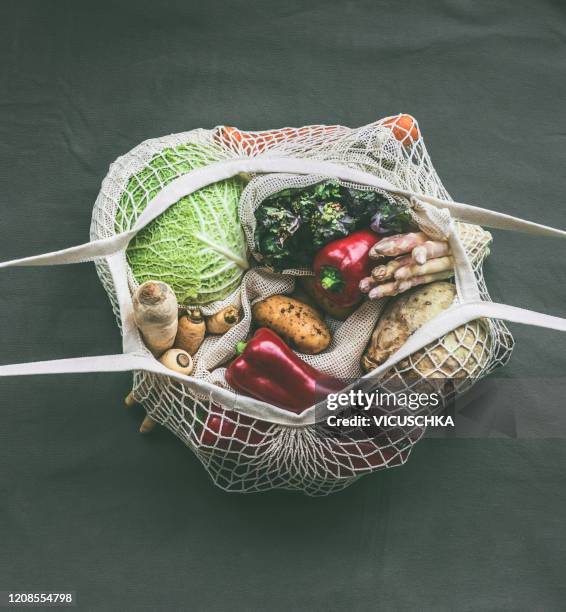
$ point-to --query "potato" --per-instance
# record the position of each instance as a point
(296, 322)
(459, 354)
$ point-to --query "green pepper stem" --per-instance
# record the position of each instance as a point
(241, 347)
(331, 279)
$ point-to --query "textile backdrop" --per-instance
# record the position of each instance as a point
(133, 523)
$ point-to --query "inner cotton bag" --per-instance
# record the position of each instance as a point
(258, 446)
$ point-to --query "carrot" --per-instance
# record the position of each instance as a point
(404, 129)
(253, 143)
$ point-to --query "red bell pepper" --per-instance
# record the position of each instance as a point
(340, 266)
(229, 430)
(268, 370)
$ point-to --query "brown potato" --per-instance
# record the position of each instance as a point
(297, 323)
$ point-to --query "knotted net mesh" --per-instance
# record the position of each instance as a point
(247, 454)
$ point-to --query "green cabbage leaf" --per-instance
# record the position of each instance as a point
(197, 246)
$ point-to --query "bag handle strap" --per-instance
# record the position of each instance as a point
(201, 177)
(444, 323)
(113, 249)
(489, 218)
(186, 185)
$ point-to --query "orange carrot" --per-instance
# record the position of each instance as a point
(252, 143)
(404, 128)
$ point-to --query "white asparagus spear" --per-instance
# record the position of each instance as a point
(392, 246)
(430, 250)
(432, 266)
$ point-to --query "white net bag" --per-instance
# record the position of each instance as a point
(247, 445)
(247, 454)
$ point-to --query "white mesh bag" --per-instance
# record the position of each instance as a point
(247, 445)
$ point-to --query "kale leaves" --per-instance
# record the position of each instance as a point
(293, 224)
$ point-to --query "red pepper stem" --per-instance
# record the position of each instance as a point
(241, 347)
(331, 279)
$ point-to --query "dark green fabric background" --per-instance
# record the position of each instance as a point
(132, 522)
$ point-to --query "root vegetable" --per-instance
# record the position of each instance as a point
(295, 322)
(404, 129)
(155, 314)
(191, 330)
(223, 320)
(178, 360)
(402, 317)
(433, 266)
(130, 400)
(460, 353)
(148, 425)
(400, 244)
(430, 250)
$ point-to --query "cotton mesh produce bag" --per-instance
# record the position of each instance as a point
(244, 444)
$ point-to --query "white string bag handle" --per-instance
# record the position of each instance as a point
(136, 356)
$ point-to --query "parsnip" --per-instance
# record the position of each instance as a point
(130, 400)
(155, 314)
(223, 320)
(148, 425)
(178, 360)
(190, 332)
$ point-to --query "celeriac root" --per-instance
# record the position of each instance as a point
(429, 250)
(155, 314)
(223, 320)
